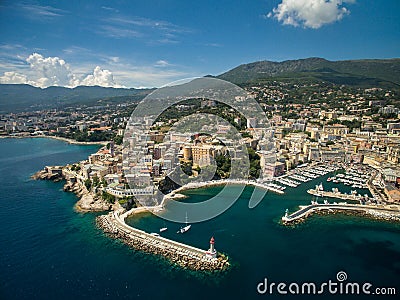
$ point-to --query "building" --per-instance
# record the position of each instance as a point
(187, 152)
(203, 154)
(392, 193)
(251, 123)
(391, 175)
(334, 132)
(211, 252)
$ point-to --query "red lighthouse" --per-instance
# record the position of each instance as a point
(211, 252)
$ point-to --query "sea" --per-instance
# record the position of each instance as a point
(49, 251)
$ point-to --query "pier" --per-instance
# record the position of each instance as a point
(195, 185)
(338, 195)
(390, 212)
(183, 255)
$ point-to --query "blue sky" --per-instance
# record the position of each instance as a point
(151, 43)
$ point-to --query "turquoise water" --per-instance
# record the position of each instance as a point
(48, 251)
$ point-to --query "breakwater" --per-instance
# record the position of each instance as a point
(384, 212)
(206, 184)
(186, 256)
(337, 195)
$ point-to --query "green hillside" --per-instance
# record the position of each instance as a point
(368, 73)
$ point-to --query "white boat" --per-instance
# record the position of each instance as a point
(186, 228)
(163, 229)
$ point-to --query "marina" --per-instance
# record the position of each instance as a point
(305, 174)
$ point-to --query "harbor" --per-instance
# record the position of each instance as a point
(305, 173)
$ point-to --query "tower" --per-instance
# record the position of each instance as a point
(112, 148)
(212, 253)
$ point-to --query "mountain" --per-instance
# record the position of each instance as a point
(23, 97)
(368, 72)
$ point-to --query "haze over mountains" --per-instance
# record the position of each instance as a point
(360, 73)
(23, 97)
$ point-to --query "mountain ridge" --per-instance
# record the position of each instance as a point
(359, 72)
(21, 97)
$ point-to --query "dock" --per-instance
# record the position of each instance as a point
(390, 212)
(186, 256)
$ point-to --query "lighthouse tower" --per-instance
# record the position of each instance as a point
(212, 253)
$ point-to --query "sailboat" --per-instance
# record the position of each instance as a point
(186, 228)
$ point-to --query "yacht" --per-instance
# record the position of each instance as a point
(186, 228)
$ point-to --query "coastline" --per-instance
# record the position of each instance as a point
(69, 141)
(88, 200)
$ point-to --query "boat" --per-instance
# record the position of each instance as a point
(186, 228)
(163, 229)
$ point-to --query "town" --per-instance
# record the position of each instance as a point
(315, 123)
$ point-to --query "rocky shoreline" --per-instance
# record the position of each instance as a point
(147, 243)
(88, 201)
(184, 256)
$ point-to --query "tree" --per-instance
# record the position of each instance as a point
(108, 197)
(118, 139)
(254, 163)
(88, 184)
(96, 180)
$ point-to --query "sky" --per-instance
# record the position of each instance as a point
(152, 43)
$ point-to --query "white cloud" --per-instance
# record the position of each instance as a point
(310, 13)
(40, 12)
(40, 71)
(100, 77)
(149, 30)
(54, 71)
(162, 63)
(50, 71)
(13, 77)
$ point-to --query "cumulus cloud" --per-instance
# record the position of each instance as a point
(13, 77)
(99, 77)
(310, 13)
(54, 71)
(50, 71)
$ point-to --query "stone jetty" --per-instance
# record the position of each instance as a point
(383, 212)
(183, 255)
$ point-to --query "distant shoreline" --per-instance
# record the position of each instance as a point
(69, 141)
